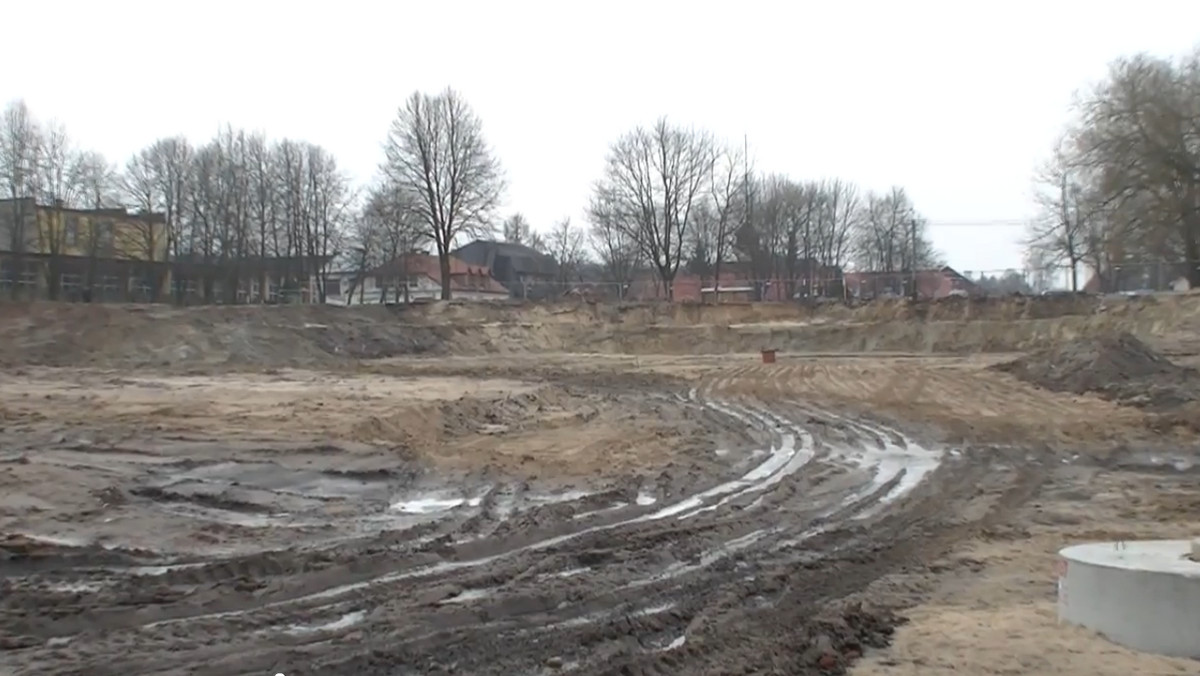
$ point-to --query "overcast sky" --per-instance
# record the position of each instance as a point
(956, 101)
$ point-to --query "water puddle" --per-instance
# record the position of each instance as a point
(792, 447)
(557, 498)
(344, 622)
(706, 559)
(76, 587)
(155, 571)
(273, 478)
(469, 595)
(675, 644)
(596, 512)
(57, 540)
(782, 461)
(433, 505)
(645, 499)
(892, 457)
(603, 615)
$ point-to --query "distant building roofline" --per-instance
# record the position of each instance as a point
(114, 212)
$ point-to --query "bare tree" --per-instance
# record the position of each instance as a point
(436, 150)
(19, 137)
(390, 231)
(99, 187)
(653, 182)
(728, 210)
(330, 199)
(892, 236)
(1060, 234)
(800, 232)
(516, 229)
(1040, 268)
(1138, 134)
(98, 181)
(1123, 195)
(59, 188)
(762, 236)
(157, 179)
(567, 248)
(263, 201)
(842, 212)
(617, 249)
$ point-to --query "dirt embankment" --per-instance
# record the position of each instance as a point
(119, 336)
(1120, 368)
(159, 336)
(690, 314)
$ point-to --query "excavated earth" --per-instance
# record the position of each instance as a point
(578, 489)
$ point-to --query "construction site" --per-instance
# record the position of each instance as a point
(584, 488)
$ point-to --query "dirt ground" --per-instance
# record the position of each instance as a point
(577, 489)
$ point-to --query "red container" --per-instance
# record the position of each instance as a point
(768, 356)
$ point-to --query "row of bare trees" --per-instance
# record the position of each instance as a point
(229, 204)
(38, 160)
(669, 196)
(672, 196)
(1120, 195)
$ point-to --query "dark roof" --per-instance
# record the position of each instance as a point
(514, 249)
(521, 258)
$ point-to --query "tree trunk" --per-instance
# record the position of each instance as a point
(716, 281)
(444, 263)
(1191, 254)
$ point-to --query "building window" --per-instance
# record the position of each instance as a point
(105, 239)
(71, 230)
(333, 286)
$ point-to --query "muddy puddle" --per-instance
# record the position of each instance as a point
(511, 558)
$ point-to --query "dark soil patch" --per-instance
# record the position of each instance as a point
(215, 501)
(1119, 368)
(141, 336)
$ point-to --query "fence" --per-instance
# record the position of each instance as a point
(850, 286)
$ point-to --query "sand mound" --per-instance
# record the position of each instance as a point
(1120, 368)
(314, 336)
(645, 313)
(118, 336)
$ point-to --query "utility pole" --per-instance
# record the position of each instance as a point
(912, 255)
(808, 261)
(748, 206)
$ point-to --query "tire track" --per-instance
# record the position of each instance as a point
(711, 558)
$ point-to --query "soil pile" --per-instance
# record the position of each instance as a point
(121, 336)
(317, 336)
(1119, 368)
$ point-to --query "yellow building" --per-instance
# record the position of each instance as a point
(80, 254)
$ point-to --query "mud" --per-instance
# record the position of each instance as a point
(683, 574)
(1121, 368)
(322, 508)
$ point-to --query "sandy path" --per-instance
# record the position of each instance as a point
(997, 614)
